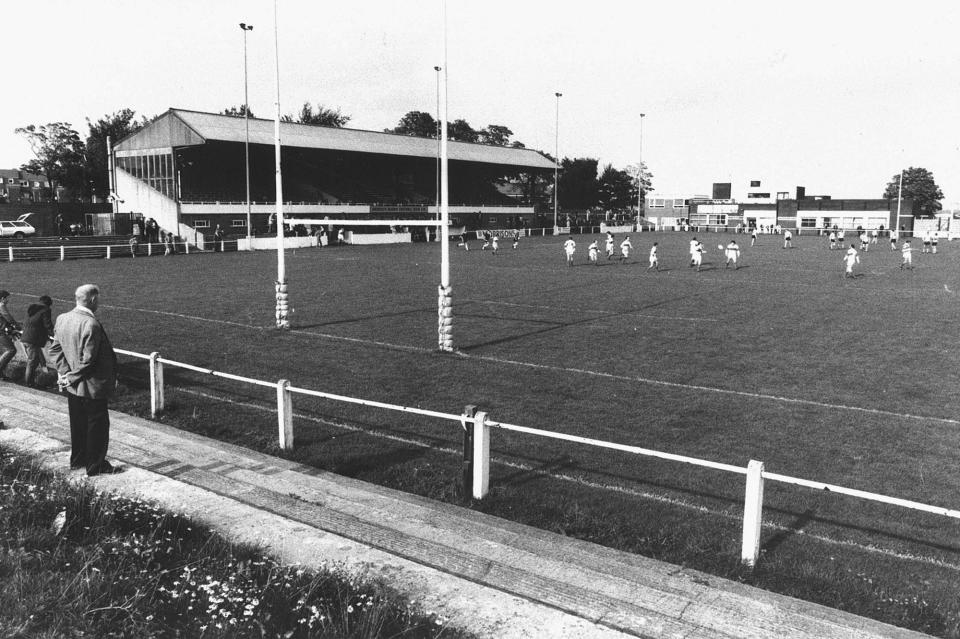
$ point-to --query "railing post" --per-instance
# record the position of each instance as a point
(469, 412)
(480, 480)
(752, 514)
(156, 384)
(108, 251)
(285, 414)
(10, 253)
(149, 249)
(63, 253)
(186, 247)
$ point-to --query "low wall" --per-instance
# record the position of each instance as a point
(376, 238)
(623, 228)
(270, 243)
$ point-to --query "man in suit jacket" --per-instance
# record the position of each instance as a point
(87, 368)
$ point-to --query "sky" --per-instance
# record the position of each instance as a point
(835, 96)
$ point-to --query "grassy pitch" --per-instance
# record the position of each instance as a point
(849, 381)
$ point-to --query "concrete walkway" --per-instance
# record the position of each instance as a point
(494, 577)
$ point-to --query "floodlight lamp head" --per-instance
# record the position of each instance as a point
(558, 94)
(436, 68)
(246, 27)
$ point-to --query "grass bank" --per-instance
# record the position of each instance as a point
(75, 562)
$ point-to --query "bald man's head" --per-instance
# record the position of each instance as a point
(88, 296)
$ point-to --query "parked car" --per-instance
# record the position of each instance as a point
(18, 228)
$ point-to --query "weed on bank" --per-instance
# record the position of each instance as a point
(78, 562)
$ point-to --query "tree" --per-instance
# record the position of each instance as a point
(461, 131)
(416, 123)
(322, 117)
(645, 183)
(616, 189)
(116, 126)
(578, 183)
(495, 134)
(918, 185)
(59, 156)
(238, 111)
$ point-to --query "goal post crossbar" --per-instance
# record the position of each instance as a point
(349, 222)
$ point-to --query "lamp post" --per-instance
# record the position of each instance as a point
(640, 174)
(246, 120)
(437, 69)
(556, 163)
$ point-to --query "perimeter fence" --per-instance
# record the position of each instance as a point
(52, 251)
(477, 427)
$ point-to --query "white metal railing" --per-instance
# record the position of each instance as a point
(477, 447)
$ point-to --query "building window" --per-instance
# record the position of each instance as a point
(657, 203)
(24, 183)
(678, 204)
(754, 184)
(201, 224)
(808, 222)
(758, 195)
(236, 223)
(11, 181)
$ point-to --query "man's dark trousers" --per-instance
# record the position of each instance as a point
(89, 432)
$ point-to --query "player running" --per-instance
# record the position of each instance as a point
(493, 244)
(516, 239)
(732, 253)
(906, 251)
(609, 247)
(593, 252)
(698, 256)
(625, 247)
(850, 259)
(569, 247)
(654, 261)
(486, 240)
(787, 239)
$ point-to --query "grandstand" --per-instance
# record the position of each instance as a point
(187, 168)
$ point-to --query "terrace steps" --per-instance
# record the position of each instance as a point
(495, 577)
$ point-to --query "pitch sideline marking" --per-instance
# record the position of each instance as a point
(593, 484)
(712, 389)
(581, 371)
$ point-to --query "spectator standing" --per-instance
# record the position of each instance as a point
(134, 243)
(218, 239)
(37, 331)
(8, 330)
(167, 240)
(87, 372)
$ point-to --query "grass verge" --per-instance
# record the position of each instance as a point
(75, 562)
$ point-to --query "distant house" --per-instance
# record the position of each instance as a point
(20, 187)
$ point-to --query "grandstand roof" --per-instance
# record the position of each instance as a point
(178, 127)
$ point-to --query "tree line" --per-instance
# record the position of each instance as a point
(79, 164)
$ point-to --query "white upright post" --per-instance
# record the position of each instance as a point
(899, 198)
(108, 251)
(63, 253)
(156, 384)
(445, 291)
(281, 288)
(285, 414)
(752, 514)
(481, 455)
(556, 163)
